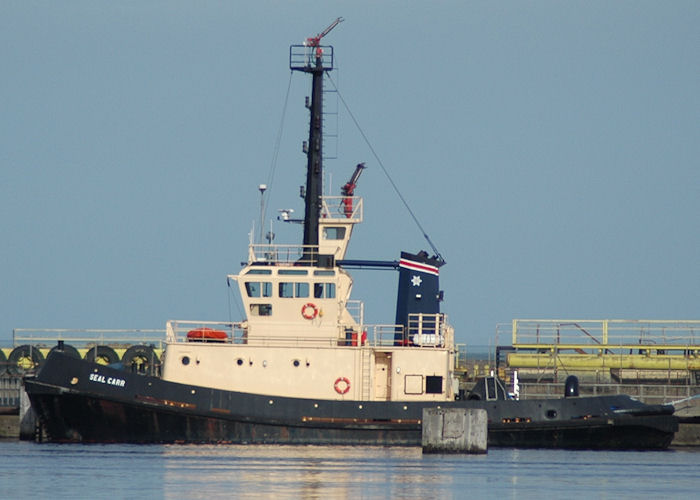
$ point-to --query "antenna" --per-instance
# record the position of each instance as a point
(262, 188)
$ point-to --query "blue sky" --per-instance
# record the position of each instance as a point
(550, 149)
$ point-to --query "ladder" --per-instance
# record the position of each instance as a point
(330, 123)
(365, 372)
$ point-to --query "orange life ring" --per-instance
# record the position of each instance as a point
(337, 387)
(305, 311)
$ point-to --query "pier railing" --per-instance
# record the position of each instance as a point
(48, 337)
(586, 336)
(647, 393)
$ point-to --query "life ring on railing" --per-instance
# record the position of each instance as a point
(309, 311)
(337, 386)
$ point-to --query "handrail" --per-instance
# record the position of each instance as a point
(586, 334)
(282, 254)
(425, 330)
(80, 336)
(648, 393)
(342, 208)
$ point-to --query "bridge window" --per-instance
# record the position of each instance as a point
(301, 289)
(286, 290)
(289, 290)
(258, 289)
(324, 290)
(259, 271)
(333, 233)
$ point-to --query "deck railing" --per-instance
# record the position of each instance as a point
(344, 208)
(282, 254)
(425, 330)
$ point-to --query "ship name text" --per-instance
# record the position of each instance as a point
(96, 377)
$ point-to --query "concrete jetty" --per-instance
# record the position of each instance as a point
(454, 430)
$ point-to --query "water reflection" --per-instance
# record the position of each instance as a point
(226, 471)
(305, 471)
(347, 471)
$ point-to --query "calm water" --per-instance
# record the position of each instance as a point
(135, 471)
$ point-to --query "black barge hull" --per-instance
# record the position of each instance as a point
(79, 401)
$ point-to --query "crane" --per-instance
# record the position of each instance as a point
(348, 190)
(315, 41)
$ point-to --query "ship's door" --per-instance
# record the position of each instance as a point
(382, 376)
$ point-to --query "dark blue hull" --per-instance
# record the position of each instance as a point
(79, 401)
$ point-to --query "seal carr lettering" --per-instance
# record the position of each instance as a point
(116, 381)
(96, 377)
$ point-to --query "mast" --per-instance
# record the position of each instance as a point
(315, 59)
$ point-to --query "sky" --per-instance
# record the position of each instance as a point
(550, 150)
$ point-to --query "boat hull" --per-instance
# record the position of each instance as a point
(79, 401)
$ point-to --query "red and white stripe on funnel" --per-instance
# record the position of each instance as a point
(418, 266)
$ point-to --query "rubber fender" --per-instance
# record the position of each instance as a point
(3, 362)
(68, 349)
(102, 354)
(24, 359)
(142, 356)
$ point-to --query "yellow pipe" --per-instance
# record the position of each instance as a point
(83, 351)
(641, 362)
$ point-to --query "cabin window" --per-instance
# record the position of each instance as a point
(258, 289)
(323, 272)
(293, 272)
(333, 233)
(324, 290)
(433, 384)
(261, 309)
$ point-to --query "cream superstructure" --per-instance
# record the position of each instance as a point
(304, 337)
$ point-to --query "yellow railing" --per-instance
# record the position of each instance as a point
(558, 334)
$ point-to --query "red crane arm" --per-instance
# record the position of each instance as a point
(314, 41)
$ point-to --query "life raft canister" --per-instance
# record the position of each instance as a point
(338, 386)
(309, 310)
(206, 335)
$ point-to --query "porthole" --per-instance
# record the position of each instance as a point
(295, 362)
(239, 361)
(551, 414)
(185, 360)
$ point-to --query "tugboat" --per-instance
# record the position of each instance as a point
(303, 368)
